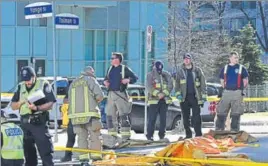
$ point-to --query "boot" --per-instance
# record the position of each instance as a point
(235, 124)
(220, 123)
(66, 158)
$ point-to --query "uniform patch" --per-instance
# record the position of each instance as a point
(13, 132)
(236, 70)
(24, 72)
(48, 89)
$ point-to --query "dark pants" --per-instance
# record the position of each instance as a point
(186, 106)
(6, 162)
(153, 111)
(71, 138)
(39, 135)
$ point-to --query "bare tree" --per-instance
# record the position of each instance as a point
(197, 31)
(262, 35)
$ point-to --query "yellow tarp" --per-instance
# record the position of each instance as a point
(206, 148)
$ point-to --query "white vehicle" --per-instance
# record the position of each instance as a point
(62, 87)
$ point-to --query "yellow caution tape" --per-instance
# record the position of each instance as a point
(210, 98)
(209, 161)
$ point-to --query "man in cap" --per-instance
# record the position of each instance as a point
(116, 80)
(159, 85)
(190, 89)
(12, 142)
(85, 94)
(34, 98)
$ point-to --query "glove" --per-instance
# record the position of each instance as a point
(179, 97)
(204, 98)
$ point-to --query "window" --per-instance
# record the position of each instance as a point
(8, 11)
(237, 24)
(43, 22)
(20, 64)
(249, 5)
(89, 45)
(100, 50)
(236, 4)
(123, 44)
(40, 67)
(21, 21)
(111, 42)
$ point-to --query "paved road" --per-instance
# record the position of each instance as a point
(256, 154)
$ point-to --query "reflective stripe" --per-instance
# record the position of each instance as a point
(200, 102)
(183, 81)
(204, 96)
(125, 133)
(197, 83)
(84, 156)
(177, 93)
(225, 74)
(157, 85)
(73, 101)
(82, 115)
(94, 155)
(152, 101)
(123, 71)
(155, 92)
(113, 133)
(86, 98)
(166, 92)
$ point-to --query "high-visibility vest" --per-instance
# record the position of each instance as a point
(79, 103)
(239, 77)
(122, 71)
(12, 148)
(39, 85)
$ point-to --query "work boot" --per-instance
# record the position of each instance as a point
(66, 158)
(220, 123)
(235, 124)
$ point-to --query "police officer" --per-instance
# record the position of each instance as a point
(234, 78)
(12, 142)
(85, 94)
(70, 137)
(159, 85)
(116, 80)
(190, 88)
(34, 116)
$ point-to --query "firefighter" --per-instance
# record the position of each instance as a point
(159, 85)
(234, 78)
(34, 98)
(190, 88)
(12, 142)
(116, 80)
(85, 93)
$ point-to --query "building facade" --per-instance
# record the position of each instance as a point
(105, 27)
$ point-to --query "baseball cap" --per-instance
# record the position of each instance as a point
(27, 73)
(187, 56)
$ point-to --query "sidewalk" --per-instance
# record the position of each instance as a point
(255, 119)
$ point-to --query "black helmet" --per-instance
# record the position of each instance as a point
(27, 73)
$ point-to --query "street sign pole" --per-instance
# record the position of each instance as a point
(148, 48)
(42, 10)
(54, 71)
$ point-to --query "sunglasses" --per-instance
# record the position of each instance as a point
(113, 58)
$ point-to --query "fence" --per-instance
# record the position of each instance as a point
(256, 91)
